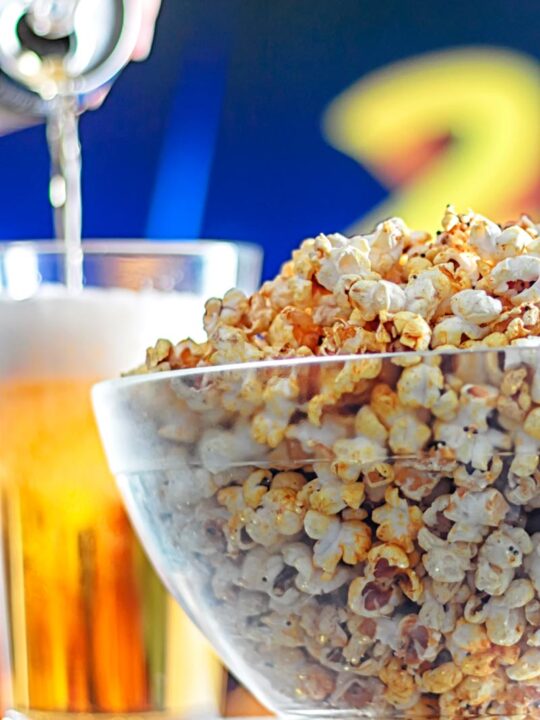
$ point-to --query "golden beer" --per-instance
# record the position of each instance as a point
(92, 628)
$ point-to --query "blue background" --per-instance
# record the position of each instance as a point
(218, 134)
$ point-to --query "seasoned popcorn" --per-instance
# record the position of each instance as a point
(398, 523)
(441, 679)
(368, 525)
(395, 289)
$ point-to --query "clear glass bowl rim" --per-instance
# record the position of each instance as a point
(295, 362)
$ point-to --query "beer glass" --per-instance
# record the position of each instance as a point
(85, 624)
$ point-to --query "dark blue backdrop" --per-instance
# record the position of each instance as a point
(218, 134)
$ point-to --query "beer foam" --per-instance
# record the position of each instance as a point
(96, 333)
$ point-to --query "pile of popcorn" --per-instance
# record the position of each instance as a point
(365, 527)
(473, 284)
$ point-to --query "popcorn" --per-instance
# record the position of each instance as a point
(483, 236)
(532, 562)
(476, 609)
(460, 265)
(255, 487)
(420, 386)
(442, 679)
(476, 306)
(346, 260)
(387, 576)
(514, 240)
(283, 630)
(468, 433)
(473, 691)
(505, 626)
(346, 380)
(228, 311)
(434, 614)
(417, 643)
(426, 291)
(279, 510)
(487, 507)
(369, 598)
(261, 571)
(390, 556)
(415, 484)
(516, 277)
(386, 243)
(401, 690)
(519, 593)
(407, 434)
(329, 498)
(412, 330)
(279, 397)
(532, 424)
(490, 661)
(316, 682)
(217, 448)
(506, 546)
(470, 637)
(445, 592)
(325, 623)
(534, 639)
(527, 667)
(477, 479)
(232, 345)
(367, 423)
(293, 330)
(398, 523)
(357, 692)
(502, 551)
(376, 298)
(452, 331)
(532, 612)
(348, 541)
(354, 455)
(313, 438)
(309, 579)
(365, 525)
(444, 561)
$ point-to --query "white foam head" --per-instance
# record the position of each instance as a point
(97, 333)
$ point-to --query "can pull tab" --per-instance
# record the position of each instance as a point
(52, 48)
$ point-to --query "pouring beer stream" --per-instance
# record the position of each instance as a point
(65, 185)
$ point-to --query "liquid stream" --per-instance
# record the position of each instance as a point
(65, 185)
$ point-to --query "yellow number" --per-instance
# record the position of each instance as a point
(460, 127)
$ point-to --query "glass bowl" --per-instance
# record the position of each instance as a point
(355, 535)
